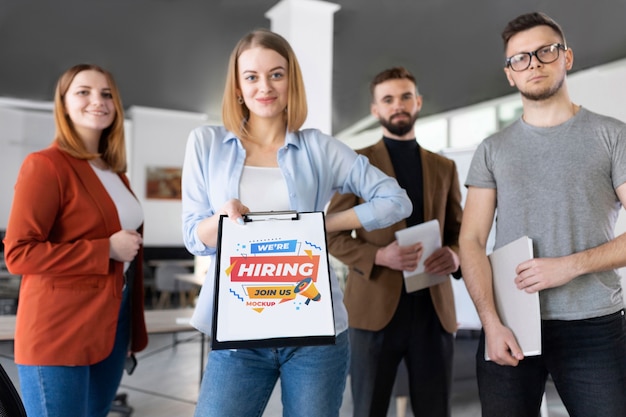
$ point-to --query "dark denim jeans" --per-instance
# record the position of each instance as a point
(586, 360)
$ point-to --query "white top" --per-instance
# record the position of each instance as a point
(255, 181)
(314, 166)
(128, 208)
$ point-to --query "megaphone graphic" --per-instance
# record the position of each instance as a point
(307, 289)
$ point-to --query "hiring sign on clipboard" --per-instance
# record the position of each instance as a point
(272, 285)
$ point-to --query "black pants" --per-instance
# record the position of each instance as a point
(416, 335)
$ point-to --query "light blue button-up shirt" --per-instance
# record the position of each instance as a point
(314, 166)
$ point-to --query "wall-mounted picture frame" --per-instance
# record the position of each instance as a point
(163, 183)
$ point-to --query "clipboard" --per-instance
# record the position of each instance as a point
(518, 310)
(430, 235)
(272, 282)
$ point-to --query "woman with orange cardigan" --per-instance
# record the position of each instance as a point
(74, 234)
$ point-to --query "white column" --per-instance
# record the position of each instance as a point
(308, 26)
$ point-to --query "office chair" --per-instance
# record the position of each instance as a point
(10, 401)
(167, 284)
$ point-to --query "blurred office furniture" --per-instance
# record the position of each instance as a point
(167, 284)
(9, 289)
(10, 401)
(154, 258)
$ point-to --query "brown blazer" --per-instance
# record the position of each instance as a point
(372, 292)
(58, 240)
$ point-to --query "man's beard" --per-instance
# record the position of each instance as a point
(545, 94)
(400, 128)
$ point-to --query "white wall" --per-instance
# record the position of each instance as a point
(158, 139)
(155, 137)
(21, 132)
(601, 89)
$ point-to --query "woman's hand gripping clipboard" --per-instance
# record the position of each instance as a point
(272, 285)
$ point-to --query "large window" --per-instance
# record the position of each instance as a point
(458, 129)
(509, 112)
(470, 127)
(466, 128)
(432, 133)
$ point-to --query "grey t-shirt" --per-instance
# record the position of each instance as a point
(557, 186)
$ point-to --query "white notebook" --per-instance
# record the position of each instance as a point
(518, 310)
(429, 234)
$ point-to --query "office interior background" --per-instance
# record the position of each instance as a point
(169, 59)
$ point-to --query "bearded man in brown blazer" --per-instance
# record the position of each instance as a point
(387, 324)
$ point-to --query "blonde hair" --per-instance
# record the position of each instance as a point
(234, 114)
(112, 148)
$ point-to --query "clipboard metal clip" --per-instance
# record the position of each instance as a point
(271, 215)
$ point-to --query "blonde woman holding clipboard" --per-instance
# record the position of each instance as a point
(261, 161)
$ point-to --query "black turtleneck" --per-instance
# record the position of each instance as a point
(407, 163)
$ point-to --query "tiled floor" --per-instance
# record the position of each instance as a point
(166, 381)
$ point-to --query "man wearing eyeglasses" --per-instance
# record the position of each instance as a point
(557, 175)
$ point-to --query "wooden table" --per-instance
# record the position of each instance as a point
(169, 320)
(157, 321)
(174, 321)
(7, 327)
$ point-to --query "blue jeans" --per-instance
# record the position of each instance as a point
(77, 391)
(586, 360)
(240, 382)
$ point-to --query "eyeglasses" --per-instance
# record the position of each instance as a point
(545, 55)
